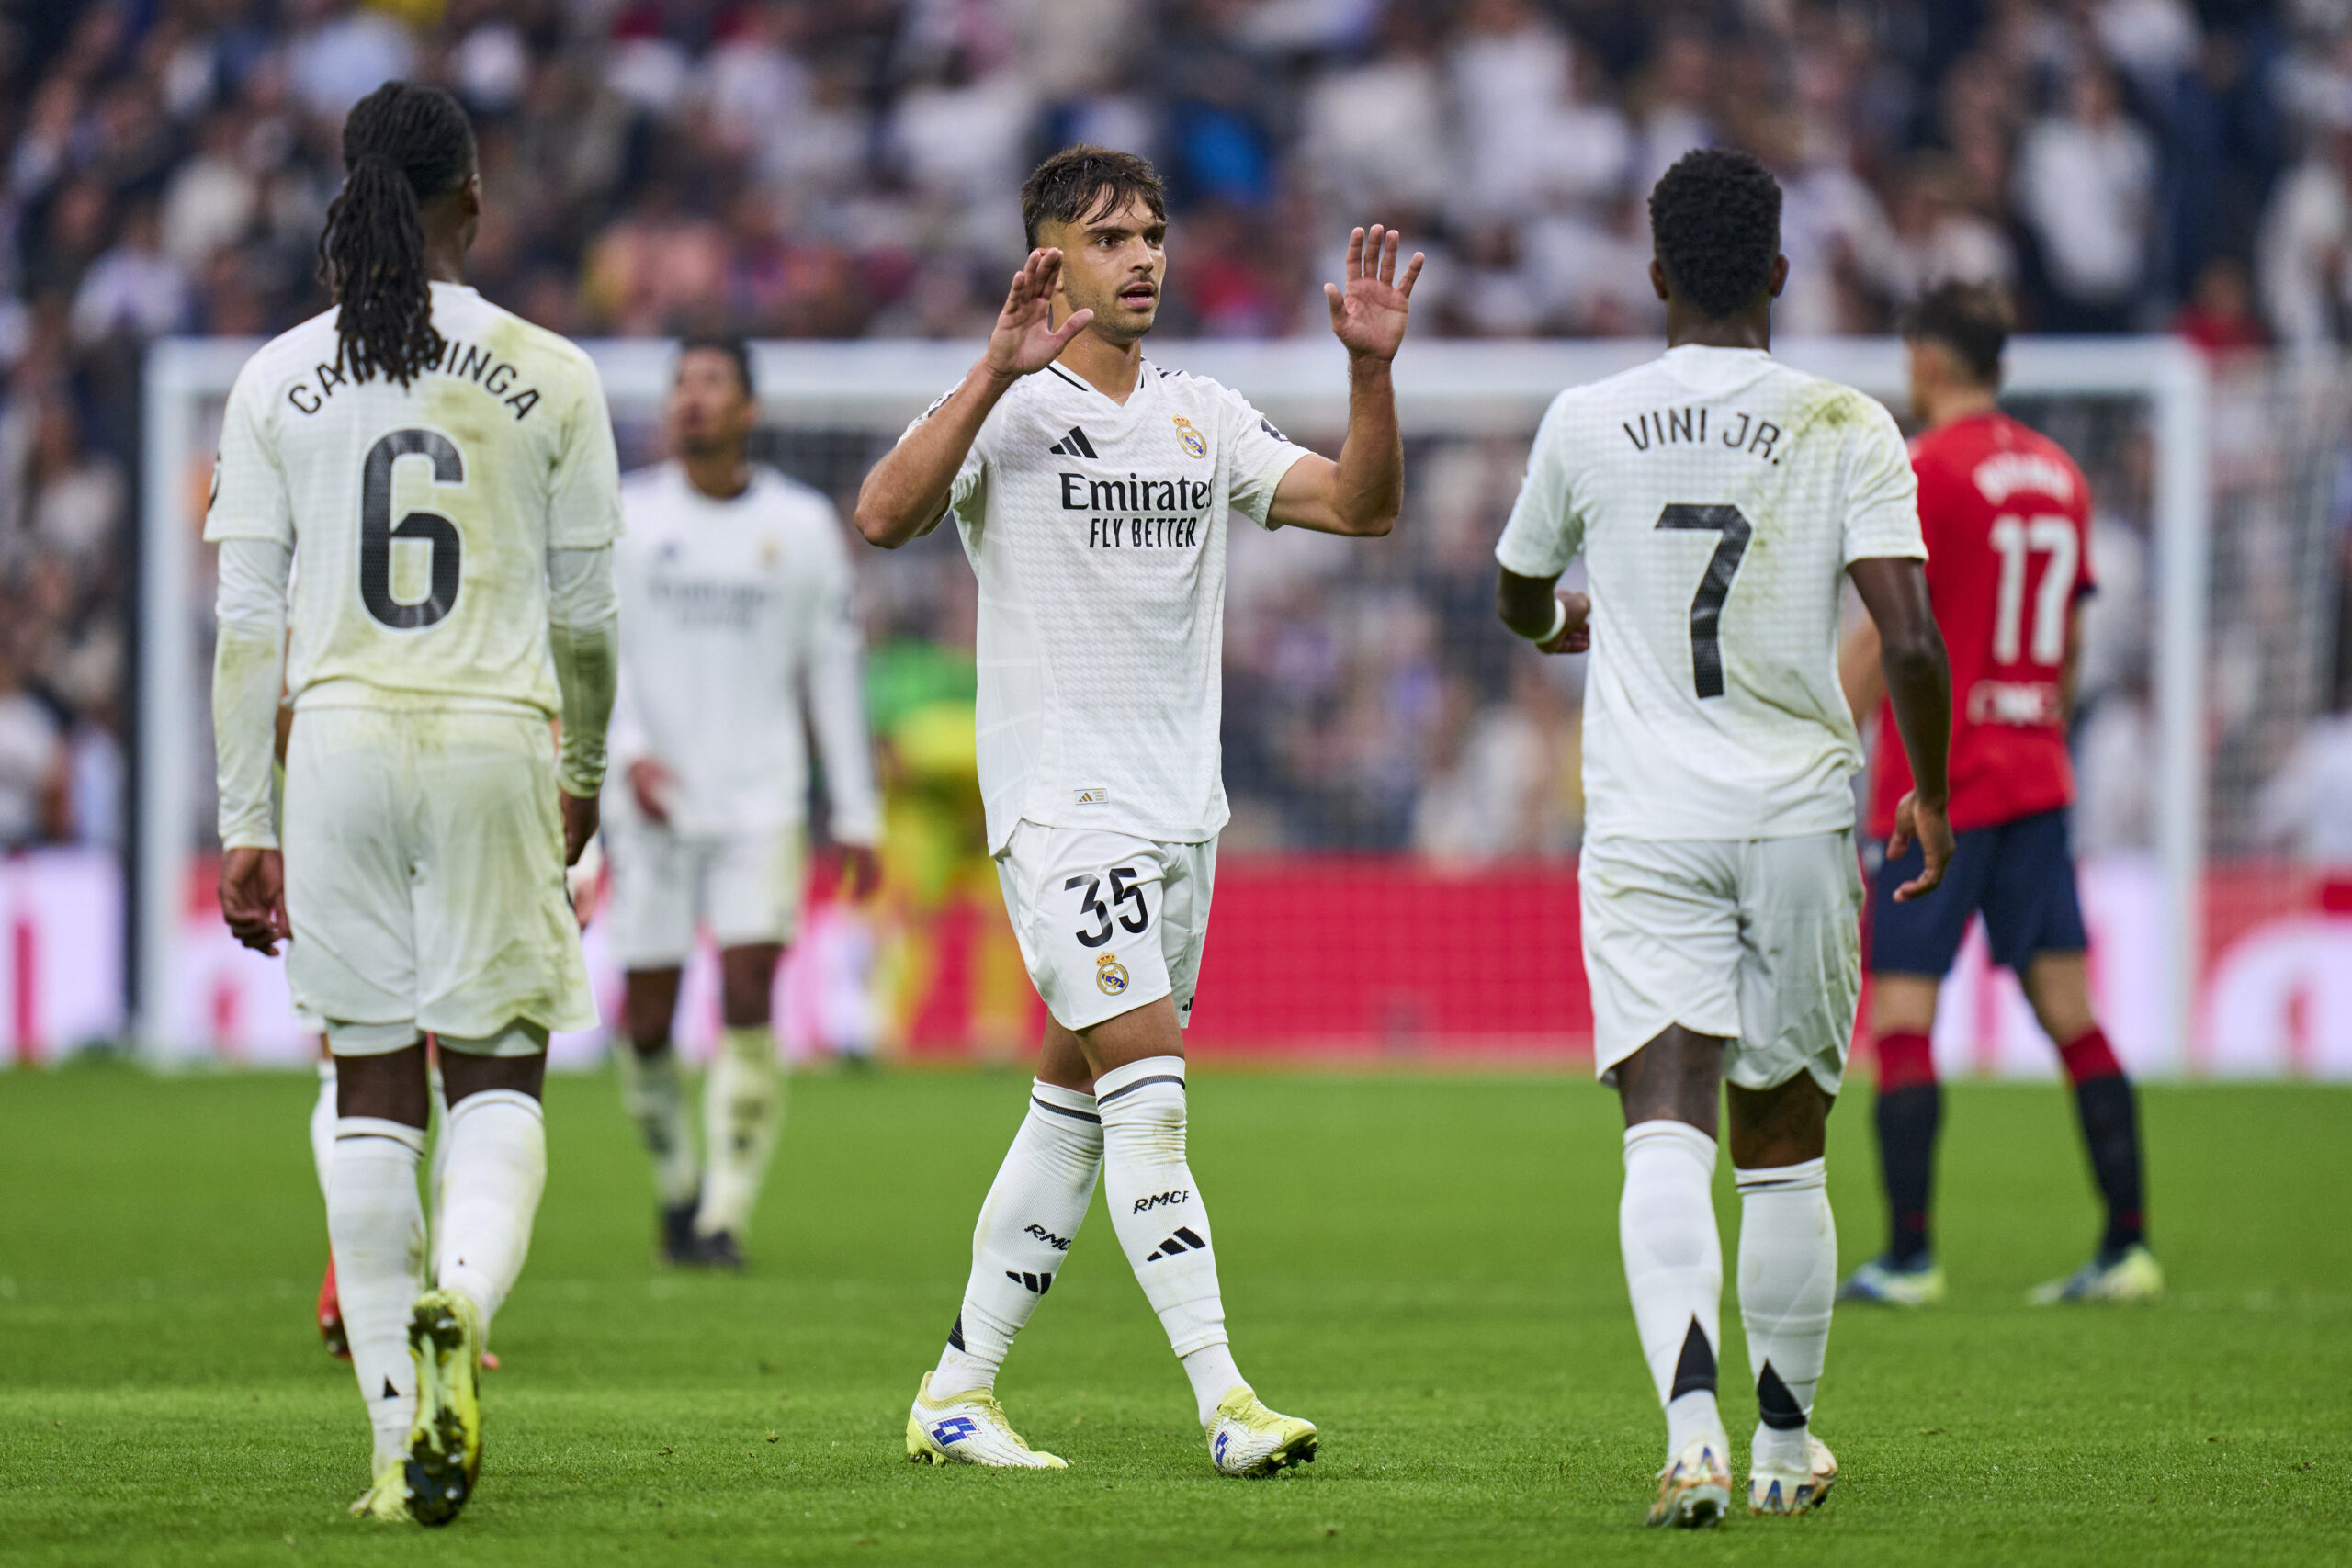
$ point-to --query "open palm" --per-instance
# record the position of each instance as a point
(1025, 340)
(1368, 311)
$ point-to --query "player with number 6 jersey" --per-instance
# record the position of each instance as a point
(423, 486)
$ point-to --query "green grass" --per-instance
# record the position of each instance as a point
(1427, 1266)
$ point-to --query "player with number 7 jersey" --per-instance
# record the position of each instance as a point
(1721, 502)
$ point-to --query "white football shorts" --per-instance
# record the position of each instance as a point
(1755, 940)
(747, 888)
(425, 875)
(1107, 921)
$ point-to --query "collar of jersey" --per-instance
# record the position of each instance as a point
(1145, 376)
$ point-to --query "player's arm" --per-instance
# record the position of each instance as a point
(1858, 669)
(248, 679)
(583, 634)
(1918, 681)
(906, 494)
(2070, 672)
(836, 696)
(1536, 609)
(1361, 494)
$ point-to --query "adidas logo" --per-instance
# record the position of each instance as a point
(1040, 1283)
(1184, 1240)
(1074, 444)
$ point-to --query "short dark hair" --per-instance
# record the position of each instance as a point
(732, 345)
(1973, 319)
(1715, 224)
(1078, 182)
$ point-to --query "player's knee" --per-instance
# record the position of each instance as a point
(746, 982)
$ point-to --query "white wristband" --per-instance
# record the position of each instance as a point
(1559, 621)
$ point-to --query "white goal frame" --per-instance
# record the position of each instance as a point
(1443, 388)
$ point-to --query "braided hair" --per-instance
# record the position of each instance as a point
(402, 145)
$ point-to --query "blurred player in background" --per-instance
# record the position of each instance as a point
(1091, 489)
(2007, 517)
(735, 583)
(445, 473)
(1721, 502)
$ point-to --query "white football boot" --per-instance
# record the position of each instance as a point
(968, 1428)
(1694, 1490)
(1794, 1492)
(1247, 1439)
(2132, 1275)
(387, 1501)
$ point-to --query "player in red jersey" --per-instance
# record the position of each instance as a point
(2006, 518)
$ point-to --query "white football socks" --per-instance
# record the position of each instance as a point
(322, 1120)
(1674, 1272)
(1788, 1284)
(653, 1092)
(377, 1225)
(1161, 1222)
(493, 1168)
(742, 1102)
(1031, 1214)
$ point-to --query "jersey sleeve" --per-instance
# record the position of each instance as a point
(584, 492)
(249, 496)
(1259, 456)
(1545, 531)
(1881, 492)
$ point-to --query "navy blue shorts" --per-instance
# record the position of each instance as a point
(2019, 875)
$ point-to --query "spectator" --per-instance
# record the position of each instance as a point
(2219, 317)
(2301, 254)
(31, 772)
(134, 289)
(2086, 184)
(2306, 806)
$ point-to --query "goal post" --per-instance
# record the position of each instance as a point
(1445, 390)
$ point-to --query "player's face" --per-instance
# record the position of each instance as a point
(1114, 264)
(708, 411)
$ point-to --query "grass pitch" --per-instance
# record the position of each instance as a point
(1426, 1266)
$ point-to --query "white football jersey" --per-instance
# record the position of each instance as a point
(1097, 531)
(420, 516)
(1717, 497)
(735, 612)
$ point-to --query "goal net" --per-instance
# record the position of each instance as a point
(1400, 875)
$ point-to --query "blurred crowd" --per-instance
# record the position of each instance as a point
(846, 167)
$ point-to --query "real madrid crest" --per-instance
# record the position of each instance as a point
(1110, 975)
(1194, 441)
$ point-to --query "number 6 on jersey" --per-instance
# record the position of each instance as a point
(377, 531)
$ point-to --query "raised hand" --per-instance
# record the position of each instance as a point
(1025, 340)
(1368, 311)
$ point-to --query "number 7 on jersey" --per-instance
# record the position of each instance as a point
(1715, 587)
